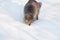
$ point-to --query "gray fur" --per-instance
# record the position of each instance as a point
(31, 11)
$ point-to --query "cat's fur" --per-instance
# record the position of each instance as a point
(31, 11)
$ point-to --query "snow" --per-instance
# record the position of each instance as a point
(12, 26)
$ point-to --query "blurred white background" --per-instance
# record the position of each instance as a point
(12, 26)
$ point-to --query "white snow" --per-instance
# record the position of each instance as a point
(12, 26)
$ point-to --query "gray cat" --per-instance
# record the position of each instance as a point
(31, 11)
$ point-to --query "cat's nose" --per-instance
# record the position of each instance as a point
(29, 24)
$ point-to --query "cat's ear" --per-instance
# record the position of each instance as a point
(40, 4)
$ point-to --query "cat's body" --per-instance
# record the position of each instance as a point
(31, 11)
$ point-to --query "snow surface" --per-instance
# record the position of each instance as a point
(12, 26)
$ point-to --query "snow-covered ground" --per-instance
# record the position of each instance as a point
(12, 26)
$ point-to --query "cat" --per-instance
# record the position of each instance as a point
(31, 11)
